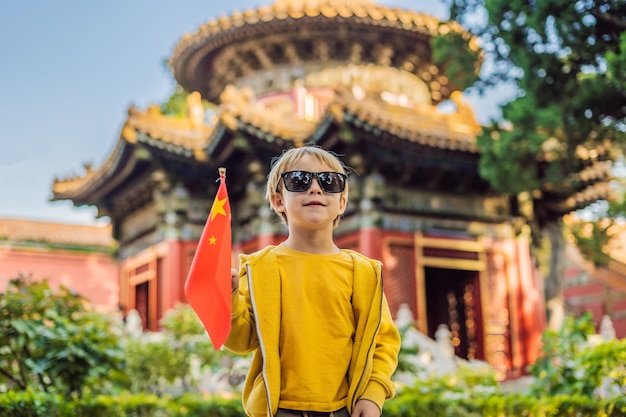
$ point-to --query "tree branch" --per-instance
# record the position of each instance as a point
(611, 24)
(19, 383)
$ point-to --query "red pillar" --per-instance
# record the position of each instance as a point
(532, 310)
(173, 275)
(371, 242)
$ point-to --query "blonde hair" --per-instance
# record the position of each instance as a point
(289, 158)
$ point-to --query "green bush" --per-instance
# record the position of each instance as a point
(39, 404)
(52, 341)
(59, 359)
(27, 403)
(126, 404)
(570, 365)
(407, 404)
(412, 404)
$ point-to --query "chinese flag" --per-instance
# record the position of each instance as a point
(208, 288)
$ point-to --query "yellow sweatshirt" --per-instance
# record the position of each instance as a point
(376, 339)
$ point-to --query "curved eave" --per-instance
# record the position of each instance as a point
(373, 14)
(149, 131)
(146, 133)
(192, 58)
(424, 126)
(600, 190)
(591, 184)
(179, 136)
(246, 118)
(86, 189)
(588, 194)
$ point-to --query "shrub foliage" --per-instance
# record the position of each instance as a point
(51, 341)
(58, 358)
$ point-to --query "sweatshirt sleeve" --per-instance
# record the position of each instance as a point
(380, 386)
(242, 338)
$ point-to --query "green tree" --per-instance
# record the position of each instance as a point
(51, 341)
(176, 104)
(554, 146)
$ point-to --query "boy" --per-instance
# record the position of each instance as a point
(314, 315)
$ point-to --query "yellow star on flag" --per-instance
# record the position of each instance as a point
(212, 240)
(218, 208)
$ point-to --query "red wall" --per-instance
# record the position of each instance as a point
(92, 275)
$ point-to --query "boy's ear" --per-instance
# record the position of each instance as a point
(343, 203)
(277, 203)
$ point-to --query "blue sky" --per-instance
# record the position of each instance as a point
(69, 71)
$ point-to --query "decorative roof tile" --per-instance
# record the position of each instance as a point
(226, 50)
(182, 133)
(186, 136)
(423, 124)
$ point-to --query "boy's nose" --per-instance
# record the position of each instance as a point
(315, 186)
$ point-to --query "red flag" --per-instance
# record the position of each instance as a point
(208, 288)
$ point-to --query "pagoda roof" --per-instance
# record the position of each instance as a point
(30, 232)
(593, 183)
(423, 125)
(173, 136)
(309, 35)
(199, 143)
(178, 135)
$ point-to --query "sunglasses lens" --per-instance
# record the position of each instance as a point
(300, 181)
(297, 181)
(331, 182)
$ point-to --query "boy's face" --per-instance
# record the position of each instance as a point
(313, 208)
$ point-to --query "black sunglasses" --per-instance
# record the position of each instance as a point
(300, 181)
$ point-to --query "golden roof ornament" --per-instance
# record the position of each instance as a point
(290, 39)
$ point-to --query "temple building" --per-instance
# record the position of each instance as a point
(356, 78)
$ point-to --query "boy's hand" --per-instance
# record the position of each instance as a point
(235, 279)
(365, 408)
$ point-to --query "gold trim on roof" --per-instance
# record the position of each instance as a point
(421, 123)
(68, 188)
(183, 132)
(596, 171)
(297, 9)
(372, 79)
(594, 192)
(321, 3)
(240, 105)
(188, 133)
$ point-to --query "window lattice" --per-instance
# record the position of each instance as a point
(400, 285)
